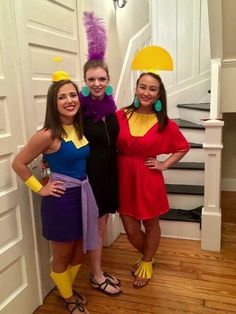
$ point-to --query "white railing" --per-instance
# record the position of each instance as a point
(215, 112)
(125, 87)
(211, 214)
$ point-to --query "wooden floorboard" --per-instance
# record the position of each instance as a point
(186, 279)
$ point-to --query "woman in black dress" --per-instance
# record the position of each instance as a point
(101, 129)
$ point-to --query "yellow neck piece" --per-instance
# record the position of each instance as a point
(141, 123)
(72, 136)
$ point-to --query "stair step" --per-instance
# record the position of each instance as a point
(195, 113)
(194, 135)
(201, 106)
(184, 176)
(192, 215)
(188, 125)
(195, 154)
(195, 145)
(188, 165)
(180, 230)
(185, 189)
(185, 201)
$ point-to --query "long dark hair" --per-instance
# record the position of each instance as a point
(161, 115)
(52, 118)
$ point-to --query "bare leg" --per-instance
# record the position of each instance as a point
(63, 253)
(96, 257)
(150, 246)
(78, 254)
(75, 265)
(134, 232)
(151, 238)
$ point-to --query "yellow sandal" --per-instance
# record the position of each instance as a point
(143, 274)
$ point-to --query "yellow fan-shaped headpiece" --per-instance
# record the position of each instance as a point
(152, 58)
(59, 75)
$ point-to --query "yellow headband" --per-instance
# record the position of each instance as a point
(59, 75)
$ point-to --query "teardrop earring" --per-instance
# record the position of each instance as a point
(136, 102)
(158, 105)
(109, 90)
(85, 91)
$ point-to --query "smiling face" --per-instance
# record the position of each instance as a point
(97, 80)
(67, 103)
(147, 92)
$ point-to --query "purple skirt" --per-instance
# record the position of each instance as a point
(62, 217)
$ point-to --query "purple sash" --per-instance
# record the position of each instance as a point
(89, 209)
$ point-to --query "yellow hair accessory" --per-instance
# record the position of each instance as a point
(59, 75)
(57, 59)
(152, 58)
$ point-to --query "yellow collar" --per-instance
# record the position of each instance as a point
(141, 123)
(72, 136)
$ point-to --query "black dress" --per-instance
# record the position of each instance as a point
(102, 161)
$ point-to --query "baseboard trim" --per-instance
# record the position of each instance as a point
(228, 185)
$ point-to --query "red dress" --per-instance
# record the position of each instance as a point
(142, 192)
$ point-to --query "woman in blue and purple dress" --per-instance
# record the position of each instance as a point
(69, 210)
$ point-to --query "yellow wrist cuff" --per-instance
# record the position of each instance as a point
(33, 184)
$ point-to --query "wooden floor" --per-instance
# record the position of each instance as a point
(186, 279)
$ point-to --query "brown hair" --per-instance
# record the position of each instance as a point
(52, 118)
(90, 64)
(161, 115)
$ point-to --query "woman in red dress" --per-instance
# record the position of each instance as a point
(146, 132)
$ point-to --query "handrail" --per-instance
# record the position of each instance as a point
(124, 90)
(215, 112)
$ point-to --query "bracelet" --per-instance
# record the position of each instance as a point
(33, 184)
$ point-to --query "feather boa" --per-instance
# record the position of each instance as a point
(97, 109)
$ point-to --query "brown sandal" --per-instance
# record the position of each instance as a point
(103, 286)
(80, 297)
(77, 305)
(114, 280)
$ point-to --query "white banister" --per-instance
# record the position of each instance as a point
(211, 213)
(126, 83)
(215, 89)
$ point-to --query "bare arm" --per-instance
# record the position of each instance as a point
(153, 163)
(38, 144)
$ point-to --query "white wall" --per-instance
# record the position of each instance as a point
(121, 25)
(181, 27)
(222, 17)
(229, 153)
(229, 28)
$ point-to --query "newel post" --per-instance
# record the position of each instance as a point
(211, 214)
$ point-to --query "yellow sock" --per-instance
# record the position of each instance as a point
(63, 283)
(74, 271)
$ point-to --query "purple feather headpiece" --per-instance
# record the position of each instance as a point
(96, 36)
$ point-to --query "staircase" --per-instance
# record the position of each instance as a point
(185, 179)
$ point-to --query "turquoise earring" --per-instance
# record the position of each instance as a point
(158, 105)
(85, 91)
(136, 102)
(109, 90)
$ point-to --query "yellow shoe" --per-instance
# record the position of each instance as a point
(143, 274)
